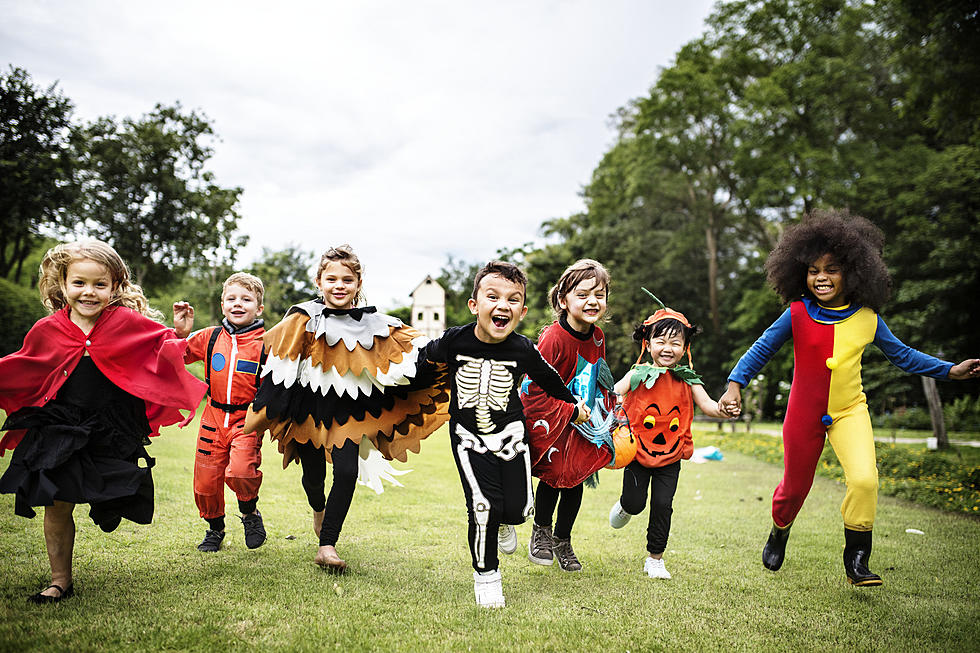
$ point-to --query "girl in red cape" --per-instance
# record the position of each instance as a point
(93, 380)
(561, 457)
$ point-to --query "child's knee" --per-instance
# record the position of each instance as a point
(866, 483)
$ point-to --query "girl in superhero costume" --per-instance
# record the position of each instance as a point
(338, 379)
(659, 400)
(561, 456)
(93, 380)
(830, 270)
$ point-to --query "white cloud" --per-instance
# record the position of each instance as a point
(411, 130)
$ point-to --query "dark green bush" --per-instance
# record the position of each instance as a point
(21, 308)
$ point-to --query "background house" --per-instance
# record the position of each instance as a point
(429, 307)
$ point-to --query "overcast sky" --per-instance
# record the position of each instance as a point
(411, 130)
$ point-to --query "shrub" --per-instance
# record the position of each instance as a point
(963, 414)
(20, 308)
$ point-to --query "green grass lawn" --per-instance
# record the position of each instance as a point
(410, 583)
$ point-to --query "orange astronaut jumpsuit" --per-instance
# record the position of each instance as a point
(226, 454)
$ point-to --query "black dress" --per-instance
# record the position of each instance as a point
(84, 446)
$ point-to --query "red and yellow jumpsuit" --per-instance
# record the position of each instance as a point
(827, 399)
(225, 453)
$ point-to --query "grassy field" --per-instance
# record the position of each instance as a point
(410, 583)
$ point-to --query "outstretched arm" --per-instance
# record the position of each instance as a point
(968, 369)
(623, 385)
(183, 319)
(708, 406)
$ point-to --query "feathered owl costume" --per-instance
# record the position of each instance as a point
(335, 375)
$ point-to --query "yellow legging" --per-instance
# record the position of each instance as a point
(853, 441)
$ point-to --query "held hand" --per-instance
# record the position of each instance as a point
(583, 413)
(731, 402)
(183, 318)
(968, 369)
(732, 409)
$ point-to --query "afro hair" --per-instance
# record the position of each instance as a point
(854, 243)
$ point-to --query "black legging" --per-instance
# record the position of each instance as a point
(663, 483)
(314, 464)
(545, 500)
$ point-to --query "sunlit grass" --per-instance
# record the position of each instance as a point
(410, 586)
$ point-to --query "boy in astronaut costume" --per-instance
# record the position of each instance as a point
(225, 454)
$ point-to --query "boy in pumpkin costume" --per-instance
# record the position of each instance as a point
(659, 400)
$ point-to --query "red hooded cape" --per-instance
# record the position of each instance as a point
(143, 357)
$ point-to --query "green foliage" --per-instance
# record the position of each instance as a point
(962, 414)
(779, 108)
(146, 191)
(288, 278)
(456, 278)
(37, 161)
(20, 308)
(403, 313)
(948, 480)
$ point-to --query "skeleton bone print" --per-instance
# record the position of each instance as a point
(484, 385)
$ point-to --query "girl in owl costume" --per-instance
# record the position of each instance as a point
(340, 380)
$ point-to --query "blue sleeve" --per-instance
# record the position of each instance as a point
(907, 359)
(762, 350)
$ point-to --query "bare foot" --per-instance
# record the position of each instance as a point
(318, 521)
(327, 558)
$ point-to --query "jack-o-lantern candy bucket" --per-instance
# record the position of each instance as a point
(623, 443)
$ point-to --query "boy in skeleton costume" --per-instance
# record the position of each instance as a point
(486, 361)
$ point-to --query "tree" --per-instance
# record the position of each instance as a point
(36, 167)
(287, 275)
(146, 191)
(456, 278)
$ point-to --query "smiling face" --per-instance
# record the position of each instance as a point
(88, 290)
(339, 285)
(825, 281)
(498, 307)
(239, 305)
(667, 348)
(585, 304)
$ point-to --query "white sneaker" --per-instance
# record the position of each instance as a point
(655, 568)
(618, 517)
(489, 589)
(506, 539)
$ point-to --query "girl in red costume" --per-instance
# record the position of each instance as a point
(659, 401)
(830, 271)
(561, 457)
(92, 381)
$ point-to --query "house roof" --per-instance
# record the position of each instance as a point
(428, 280)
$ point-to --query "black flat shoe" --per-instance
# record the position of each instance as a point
(41, 599)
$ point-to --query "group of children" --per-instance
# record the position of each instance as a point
(335, 379)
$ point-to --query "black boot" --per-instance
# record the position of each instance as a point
(775, 549)
(857, 553)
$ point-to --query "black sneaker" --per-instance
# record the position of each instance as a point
(566, 557)
(211, 542)
(539, 548)
(254, 530)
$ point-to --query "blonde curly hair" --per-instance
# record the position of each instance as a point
(54, 275)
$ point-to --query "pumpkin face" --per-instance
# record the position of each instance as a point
(660, 418)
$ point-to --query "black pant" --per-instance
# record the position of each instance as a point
(663, 484)
(497, 491)
(337, 505)
(568, 500)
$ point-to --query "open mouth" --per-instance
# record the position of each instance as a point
(823, 288)
(500, 321)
